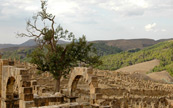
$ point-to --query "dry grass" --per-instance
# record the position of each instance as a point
(161, 76)
(140, 71)
(142, 68)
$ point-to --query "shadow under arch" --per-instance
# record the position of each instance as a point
(90, 79)
(81, 89)
(12, 96)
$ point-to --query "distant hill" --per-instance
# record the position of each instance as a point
(128, 44)
(103, 49)
(135, 51)
(7, 45)
(122, 44)
(28, 43)
(21, 51)
(32, 42)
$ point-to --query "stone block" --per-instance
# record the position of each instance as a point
(89, 70)
(93, 84)
(97, 90)
(23, 72)
(94, 78)
(11, 63)
(96, 96)
(105, 107)
(25, 84)
(33, 83)
(26, 97)
(5, 62)
(26, 90)
(29, 104)
(24, 77)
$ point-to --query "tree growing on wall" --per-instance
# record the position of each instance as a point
(52, 57)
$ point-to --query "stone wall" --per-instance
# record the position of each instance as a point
(21, 86)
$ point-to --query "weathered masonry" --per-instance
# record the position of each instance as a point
(19, 88)
(22, 87)
(16, 90)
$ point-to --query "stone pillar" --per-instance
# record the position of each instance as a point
(2, 83)
(25, 90)
(0, 75)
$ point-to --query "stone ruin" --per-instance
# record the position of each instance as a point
(22, 87)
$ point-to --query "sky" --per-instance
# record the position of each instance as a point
(97, 19)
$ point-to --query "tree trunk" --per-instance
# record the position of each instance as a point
(57, 85)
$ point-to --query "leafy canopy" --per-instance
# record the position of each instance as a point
(53, 57)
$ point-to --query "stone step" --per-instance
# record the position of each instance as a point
(26, 97)
(28, 104)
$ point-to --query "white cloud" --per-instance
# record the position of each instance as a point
(139, 3)
(96, 18)
(126, 7)
(62, 7)
(132, 28)
(150, 27)
(163, 30)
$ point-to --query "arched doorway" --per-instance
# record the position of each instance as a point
(12, 97)
(81, 89)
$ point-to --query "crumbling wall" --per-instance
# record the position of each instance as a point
(106, 88)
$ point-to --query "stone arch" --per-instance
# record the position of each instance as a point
(10, 87)
(74, 83)
(12, 94)
(87, 74)
(13, 87)
(75, 75)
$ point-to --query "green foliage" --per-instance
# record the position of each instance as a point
(134, 50)
(52, 57)
(103, 49)
(162, 51)
(18, 54)
(60, 62)
(21, 54)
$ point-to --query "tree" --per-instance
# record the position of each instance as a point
(52, 57)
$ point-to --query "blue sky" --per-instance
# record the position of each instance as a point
(97, 19)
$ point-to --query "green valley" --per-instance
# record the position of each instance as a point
(162, 51)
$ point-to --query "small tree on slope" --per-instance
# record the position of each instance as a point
(52, 57)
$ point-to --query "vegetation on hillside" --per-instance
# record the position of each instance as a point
(21, 53)
(18, 54)
(103, 49)
(162, 51)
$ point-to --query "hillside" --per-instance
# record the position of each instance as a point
(123, 44)
(162, 51)
(16, 53)
(22, 52)
(7, 45)
(31, 42)
(143, 71)
(103, 49)
(113, 57)
(162, 76)
(128, 44)
(143, 67)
